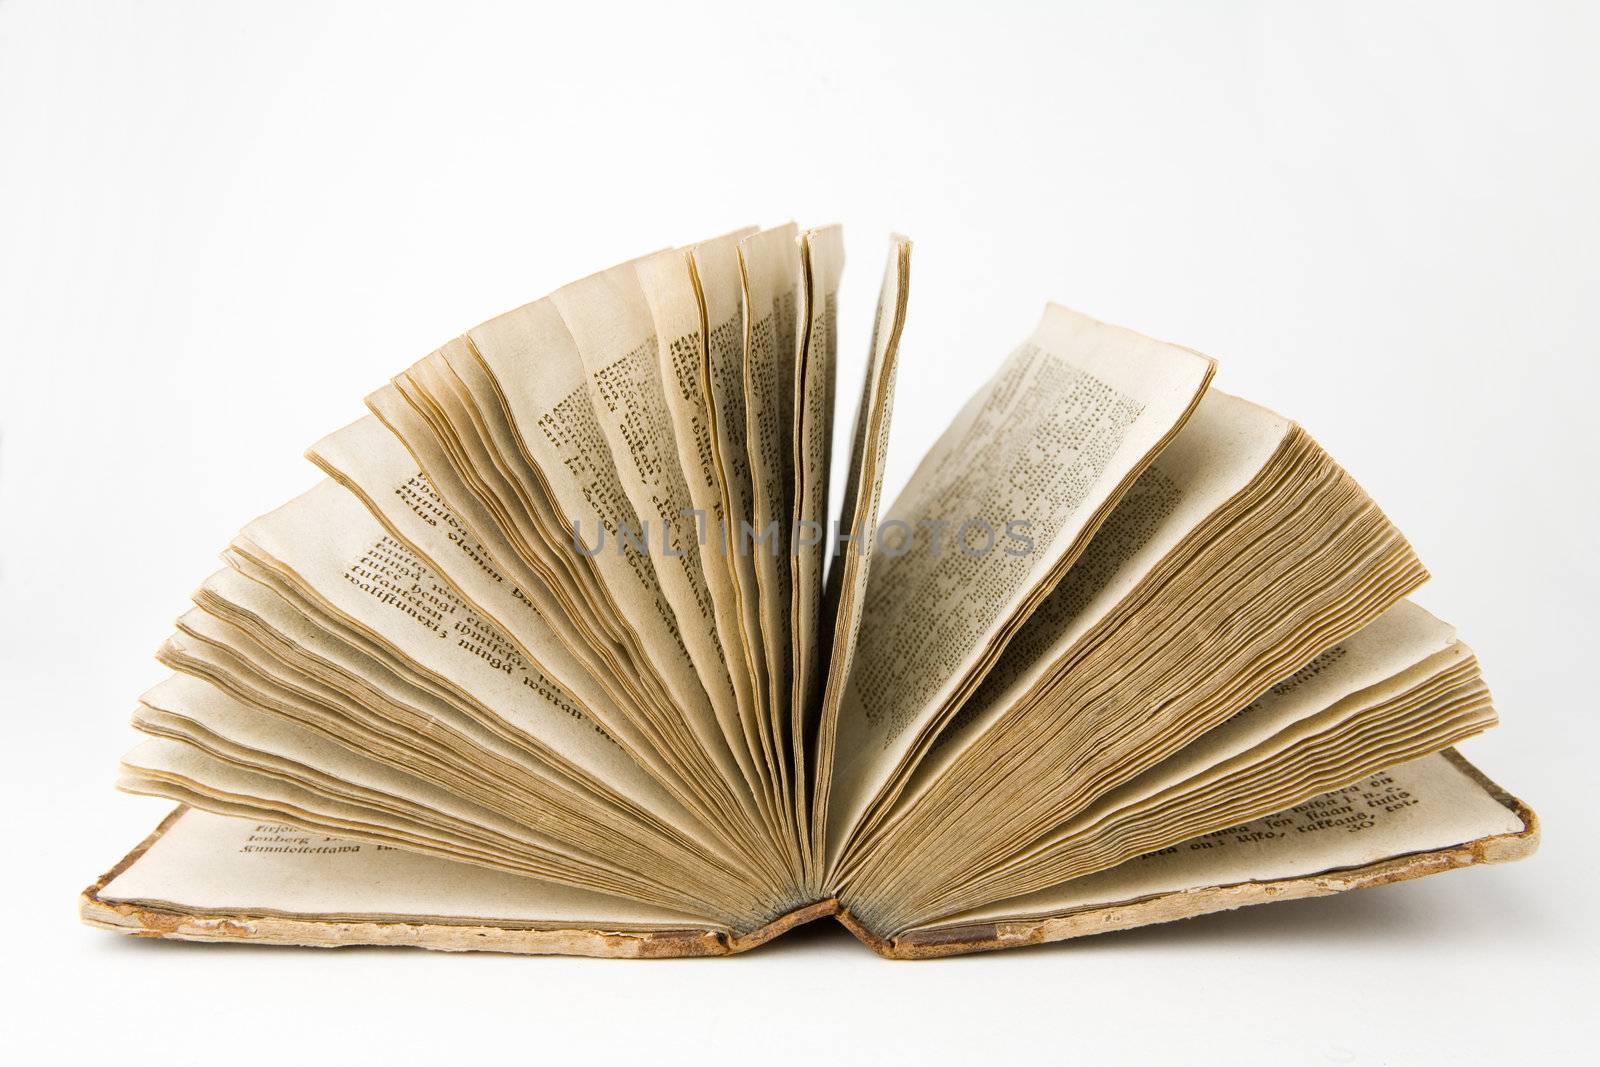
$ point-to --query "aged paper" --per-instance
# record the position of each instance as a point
(212, 863)
(555, 418)
(822, 255)
(668, 284)
(1371, 702)
(719, 281)
(771, 270)
(1221, 448)
(610, 324)
(1425, 805)
(856, 528)
(370, 462)
(998, 509)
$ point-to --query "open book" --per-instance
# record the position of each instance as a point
(569, 653)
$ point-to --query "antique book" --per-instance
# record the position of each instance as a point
(569, 652)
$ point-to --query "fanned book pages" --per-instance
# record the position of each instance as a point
(570, 651)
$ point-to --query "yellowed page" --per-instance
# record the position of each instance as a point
(1428, 804)
(270, 744)
(331, 544)
(1004, 501)
(573, 603)
(208, 781)
(1224, 445)
(855, 529)
(1371, 663)
(770, 266)
(609, 321)
(212, 863)
(537, 366)
(720, 283)
(1395, 696)
(370, 462)
(822, 254)
(668, 284)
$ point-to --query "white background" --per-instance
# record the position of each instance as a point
(221, 225)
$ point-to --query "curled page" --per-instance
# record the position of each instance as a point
(1000, 507)
(856, 528)
(771, 270)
